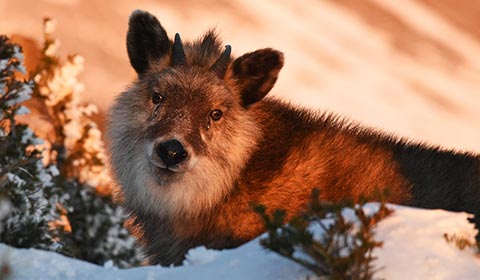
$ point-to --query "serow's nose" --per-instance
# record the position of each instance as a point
(171, 152)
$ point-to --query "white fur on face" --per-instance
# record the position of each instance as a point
(205, 183)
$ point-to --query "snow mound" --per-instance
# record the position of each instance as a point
(413, 248)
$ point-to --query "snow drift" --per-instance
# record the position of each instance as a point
(413, 248)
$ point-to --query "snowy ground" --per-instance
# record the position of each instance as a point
(414, 248)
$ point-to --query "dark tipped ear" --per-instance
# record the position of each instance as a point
(146, 40)
(254, 74)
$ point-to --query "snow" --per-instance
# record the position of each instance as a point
(23, 94)
(247, 262)
(413, 248)
(3, 64)
(23, 111)
(5, 207)
(28, 137)
(14, 179)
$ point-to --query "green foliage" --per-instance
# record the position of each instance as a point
(58, 197)
(28, 198)
(96, 231)
(344, 249)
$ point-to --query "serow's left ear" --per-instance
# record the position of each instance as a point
(254, 74)
(147, 41)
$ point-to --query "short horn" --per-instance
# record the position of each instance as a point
(178, 54)
(220, 66)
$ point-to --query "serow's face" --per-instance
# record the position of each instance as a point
(188, 123)
(189, 113)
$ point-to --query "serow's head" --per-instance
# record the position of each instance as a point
(189, 117)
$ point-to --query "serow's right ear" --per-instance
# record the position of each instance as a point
(147, 40)
(254, 74)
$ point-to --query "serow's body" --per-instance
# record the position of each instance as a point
(194, 144)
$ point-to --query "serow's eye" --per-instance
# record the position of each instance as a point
(216, 115)
(157, 98)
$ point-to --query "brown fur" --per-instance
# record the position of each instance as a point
(262, 151)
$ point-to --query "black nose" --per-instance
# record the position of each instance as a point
(171, 152)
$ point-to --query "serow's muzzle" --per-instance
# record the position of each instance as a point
(171, 152)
